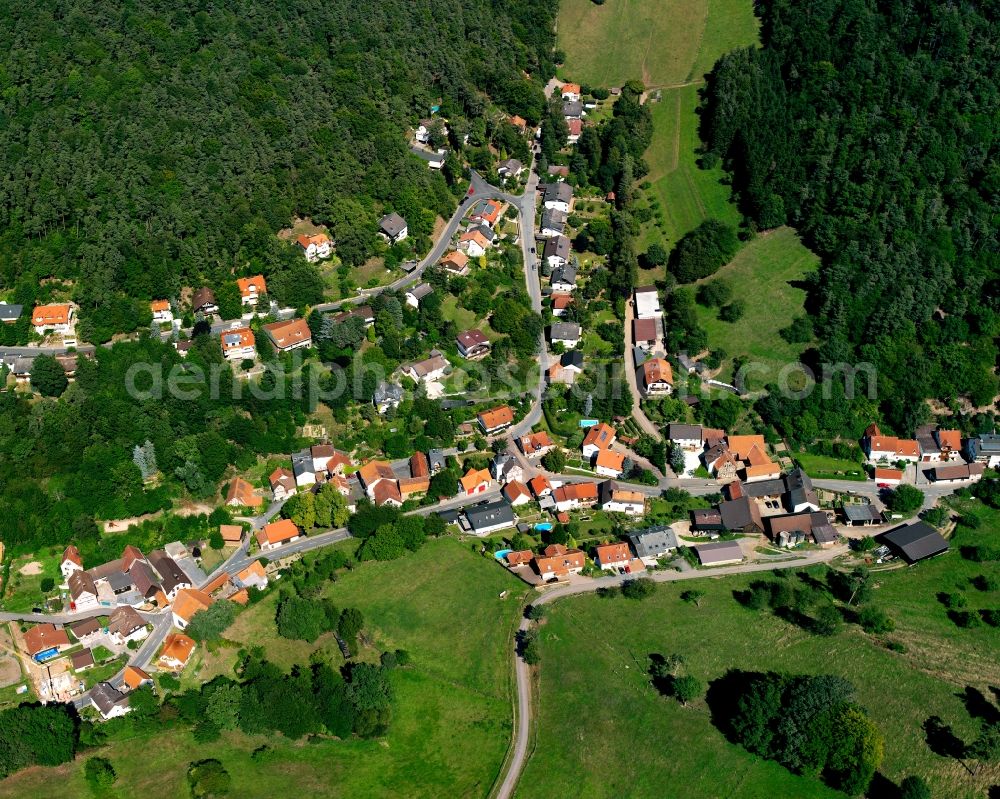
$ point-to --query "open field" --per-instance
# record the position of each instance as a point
(597, 707)
(451, 719)
(687, 194)
(825, 467)
(657, 42)
(762, 275)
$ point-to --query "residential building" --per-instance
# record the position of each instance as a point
(574, 129)
(386, 492)
(251, 289)
(571, 92)
(423, 132)
(516, 493)
(283, 484)
(456, 262)
(565, 333)
(553, 223)
(985, 449)
(437, 460)
(55, 318)
(10, 313)
(84, 631)
(172, 577)
(161, 311)
(600, 436)
(686, 436)
(612, 556)
(473, 344)
(487, 519)
(427, 370)
(560, 301)
(653, 543)
(108, 701)
(914, 542)
(719, 553)
(573, 496)
(534, 445)
(495, 419)
(505, 467)
(315, 247)
(563, 278)
(888, 478)
(176, 652)
(644, 333)
(419, 465)
(557, 562)
(957, 473)
(476, 481)
(253, 576)
(327, 458)
(486, 212)
(43, 641)
(125, 624)
(82, 660)
(277, 534)
(362, 312)
(540, 486)
(520, 123)
(188, 602)
(647, 303)
(82, 591)
(134, 678)
(413, 486)
(878, 447)
(415, 294)
(238, 344)
(615, 499)
(241, 494)
(511, 168)
(203, 302)
(392, 227)
(373, 473)
(387, 395)
(292, 334)
(303, 470)
(474, 243)
(557, 196)
(571, 361)
(609, 463)
(572, 109)
(657, 377)
(71, 561)
(556, 251)
(434, 159)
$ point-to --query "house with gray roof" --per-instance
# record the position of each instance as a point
(553, 222)
(10, 313)
(416, 293)
(556, 251)
(653, 543)
(393, 228)
(488, 518)
(109, 701)
(387, 395)
(557, 196)
(565, 333)
(563, 278)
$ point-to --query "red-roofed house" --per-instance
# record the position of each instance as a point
(277, 533)
(289, 335)
(516, 493)
(71, 561)
(314, 247)
(612, 556)
(251, 289)
(574, 496)
(600, 436)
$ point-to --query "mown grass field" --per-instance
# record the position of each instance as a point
(826, 467)
(762, 275)
(604, 732)
(659, 42)
(452, 717)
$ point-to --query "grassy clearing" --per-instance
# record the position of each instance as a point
(596, 706)
(762, 274)
(821, 467)
(686, 194)
(452, 718)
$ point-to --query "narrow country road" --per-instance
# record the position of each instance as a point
(633, 381)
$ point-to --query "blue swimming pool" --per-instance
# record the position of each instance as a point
(543, 527)
(500, 554)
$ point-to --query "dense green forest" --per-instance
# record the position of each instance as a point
(149, 146)
(872, 128)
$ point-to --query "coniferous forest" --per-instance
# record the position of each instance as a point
(872, 128)
(147, 146)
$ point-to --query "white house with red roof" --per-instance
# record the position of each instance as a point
(315, 247)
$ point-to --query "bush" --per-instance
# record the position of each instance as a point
(905, 499)
(100, 775)
(733, 312)
(914, 787)
(986, 582)
(715, 293)
(639, 588)
(702, 251)
(875, 621)
(47, 584)
(800, 331)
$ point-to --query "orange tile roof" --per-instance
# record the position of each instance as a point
(476, 236)
(44, 636)
(475, 477)
(255, 569)
(134, 677)
(609, 459)
(561, 299)
(242, 492)
(71, 553)
(189, 601)
(159, 305)
(559, 563)
(231, 533)
(177, 647)
(539, 484)
(519, 556)
(575, 491)
(414, 485)
(54, 314)
(514, 490)
(888, 474)
(317, 239)
(740, 446)
(278, 532)
(497, 417)
(628, 495)
(241, 597)
(533, 442)
(571, 88)
(289, 333)
(575, 126)
(245, 339)
(419, 466)
(600, 435)
(657, 370)
(456, 258)
(373, 471)
(952, 439)
(252, 286)
(610, 553)
(518, 122)
(763, 469)
(386, 490)
(899, 446)
(216, 584)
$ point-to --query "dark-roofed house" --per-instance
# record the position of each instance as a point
(719, 553)
(957, 473)
(861, 514)
(486, 519)
(125, 624)
(473, 344)
(417, 293)
(10, 313)
(983, 449)
(393, 228)
(557, 250)
(436, 459)
(557, 196)
(914, 542)
(203, 301)
(82, 591)
(707, 520)
(510, 168)
(644, 333)
(84, 659)
(653, 543)
(172, 577)
(800, 493)
(85, 630)
(387, 395)
(144, 579)
(109, 701)
(565, 333)
(553, 222)
(563, 278)
(741, 515)
(685, 435)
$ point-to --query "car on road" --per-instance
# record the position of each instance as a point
(532, 250)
